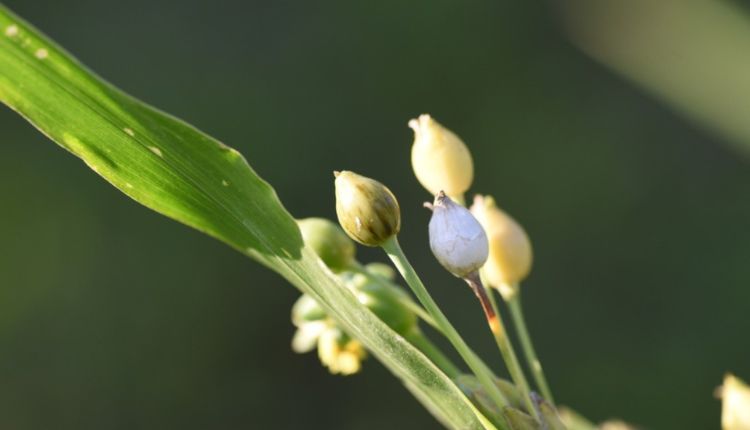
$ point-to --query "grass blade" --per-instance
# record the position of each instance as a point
(174, 169)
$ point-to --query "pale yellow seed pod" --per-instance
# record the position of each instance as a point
(440, 159)
(735, 409)
(510, 256)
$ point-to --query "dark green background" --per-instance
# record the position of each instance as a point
(113, 317)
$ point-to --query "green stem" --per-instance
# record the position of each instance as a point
(418, 339)
(497, 328)
(421, 313)
(394, 251)
(535, 365)
(357, 267)
(419, 310)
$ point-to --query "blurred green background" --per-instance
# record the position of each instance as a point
(114, 317)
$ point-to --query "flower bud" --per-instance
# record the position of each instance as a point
(735, 409)
(366, 209)
(307, 335)
(550, 418)
(440, 159)
(519, 420)
(622, 425)
(306, 309)
(382, 270)
(573, 420)
(456, 237)
(336, 350)
(311, 320)
(329, 242)
(473, 389)
(387, 303)
(510, 256)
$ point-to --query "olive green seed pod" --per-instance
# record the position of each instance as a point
(327, 239)
(366, 209)
(440, 159)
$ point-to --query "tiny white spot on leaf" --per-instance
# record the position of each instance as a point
(129, 132)
(156, 151)
(41, 53)
(128, 184)
(224, 182)
(11, 30)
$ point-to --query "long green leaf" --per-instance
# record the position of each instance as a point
(172, 168)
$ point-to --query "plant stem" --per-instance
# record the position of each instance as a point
(411, 304)
(396, 254)
(419, 340)
(503, 343)
(404, 299)
(535, 365)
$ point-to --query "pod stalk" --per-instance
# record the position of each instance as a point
(501, 338)
(483, 374)
(516, 311)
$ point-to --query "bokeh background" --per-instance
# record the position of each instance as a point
(622, 156)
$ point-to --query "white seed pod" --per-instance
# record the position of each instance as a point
(456, 237)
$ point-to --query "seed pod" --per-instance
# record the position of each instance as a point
(573, 420)
(510, 256)
(519, 420)
(550, 417)
(440, 159)
(382, 270)
(735, 408)
(329, 242)
(387, 303)
(367, 210)
(471, 386)
(456, 237)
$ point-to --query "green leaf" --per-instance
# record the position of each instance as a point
(174, 169)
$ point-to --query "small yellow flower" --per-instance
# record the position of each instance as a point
(735, 410)
(340, 353)
(440, 159)
(510, 256)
